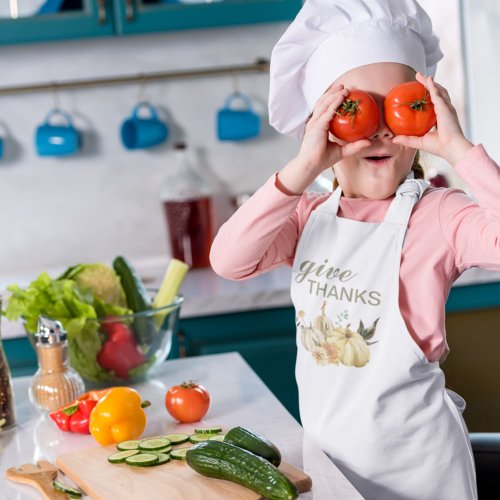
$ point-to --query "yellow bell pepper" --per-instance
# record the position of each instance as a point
(118, 416)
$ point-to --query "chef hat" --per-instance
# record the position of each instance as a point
(330, 37)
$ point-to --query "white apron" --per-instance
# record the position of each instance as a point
(368, 395)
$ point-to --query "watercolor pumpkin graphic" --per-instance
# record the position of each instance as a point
(332, 343)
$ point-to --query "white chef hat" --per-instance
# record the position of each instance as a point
(330, 37)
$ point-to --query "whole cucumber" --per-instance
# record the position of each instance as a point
(137, 299)
(248, 440)
(225, 461)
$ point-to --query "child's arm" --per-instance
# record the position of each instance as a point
(264, 232)
(260, 236)
(472, 228)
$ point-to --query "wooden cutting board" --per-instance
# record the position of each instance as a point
(175, 480)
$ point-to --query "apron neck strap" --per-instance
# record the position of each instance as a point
(331, 205)
(407, 195)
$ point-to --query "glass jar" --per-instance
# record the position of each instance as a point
(188, 204)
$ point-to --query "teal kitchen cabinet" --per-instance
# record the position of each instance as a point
(145, 16)
(71, 19)
(264, 338)
(82, 18)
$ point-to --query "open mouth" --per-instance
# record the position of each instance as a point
(378, 160)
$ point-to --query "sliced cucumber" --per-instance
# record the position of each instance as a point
(153, 444)
(163, 458)
(179, 453)
(208, 430)
(142, 460)
(217, 437)
(120, 456)
(66, 488)
(197, 438)
(128, 445)
(177, 438)
(166, 450)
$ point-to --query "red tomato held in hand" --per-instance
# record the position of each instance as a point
(357, 117)
(187, 402)
(408, 109)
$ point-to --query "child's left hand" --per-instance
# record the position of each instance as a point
(447, 140)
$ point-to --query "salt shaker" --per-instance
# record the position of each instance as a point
(55, 383)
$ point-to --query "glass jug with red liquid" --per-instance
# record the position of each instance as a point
(187, 200)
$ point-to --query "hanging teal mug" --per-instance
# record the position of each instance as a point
(140, 133)
(237, 124)
(57, 139)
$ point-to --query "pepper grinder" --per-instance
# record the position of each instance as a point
(55, 384)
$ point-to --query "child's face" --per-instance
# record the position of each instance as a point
(358, 177)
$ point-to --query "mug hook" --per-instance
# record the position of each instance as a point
(236, 83)
(55, 96)
(142, 95)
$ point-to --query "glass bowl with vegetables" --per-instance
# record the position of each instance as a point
(117, 330)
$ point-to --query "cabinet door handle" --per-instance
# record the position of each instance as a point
(101, 11)
(129, 10)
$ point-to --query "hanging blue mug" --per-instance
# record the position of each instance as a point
(140, 133)
(237, 124)
(57, 139)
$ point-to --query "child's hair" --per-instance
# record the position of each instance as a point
(417, 169)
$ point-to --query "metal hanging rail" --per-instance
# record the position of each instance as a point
(260, 66)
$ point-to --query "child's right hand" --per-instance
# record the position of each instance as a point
(317, 151)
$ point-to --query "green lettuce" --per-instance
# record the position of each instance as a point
(76, 307)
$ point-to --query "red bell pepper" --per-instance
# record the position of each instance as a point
(119, 352)
(74, 417)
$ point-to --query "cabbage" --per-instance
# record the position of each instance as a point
(101, 279)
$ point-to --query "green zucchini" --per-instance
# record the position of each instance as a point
(248, 440)
(137, 299)
(225, 461)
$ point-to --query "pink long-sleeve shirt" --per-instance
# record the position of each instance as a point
(448, 233)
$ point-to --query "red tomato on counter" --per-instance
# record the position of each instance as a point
(187, 402)
(357, 117)
(408, 109)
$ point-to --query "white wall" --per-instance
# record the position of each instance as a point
(482, 49)
(105, 200)
(56, 212)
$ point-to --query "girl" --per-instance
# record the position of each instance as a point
(374, 261)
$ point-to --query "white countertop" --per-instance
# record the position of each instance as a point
(207, 294)
(238, 398)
